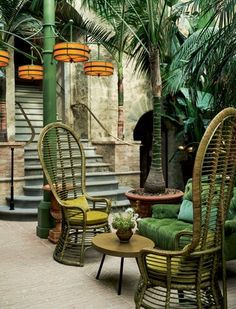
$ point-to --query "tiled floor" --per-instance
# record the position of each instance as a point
(31, 279)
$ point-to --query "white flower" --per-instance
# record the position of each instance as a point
(130, 211)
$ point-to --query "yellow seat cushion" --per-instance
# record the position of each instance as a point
(77, 202)
(75, 217)
(159, 263)
(96, 217)
(93, 217)
(184, 266)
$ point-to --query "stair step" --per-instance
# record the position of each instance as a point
(21, 130)
(18, 214)
(92, 167)
(24, 91)
(117, 197)
(99, 180)
(34, 159)
(95, 176)
(36, 190)
(31, 213)
(22, 123)
(23, 201)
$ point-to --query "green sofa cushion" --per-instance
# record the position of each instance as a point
(232, 208)
(230, 226)
(230, 241)
(186, 211)
(160, 211)
(162, 231)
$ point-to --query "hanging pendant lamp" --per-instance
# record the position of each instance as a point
(71, 51)
(4, 58)
(31, 71)
(98, 67)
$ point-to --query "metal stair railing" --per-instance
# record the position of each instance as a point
(29, 123)
(12, 155)
(85, 107)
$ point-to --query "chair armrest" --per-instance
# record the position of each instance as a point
(100, 203)
(182, 239)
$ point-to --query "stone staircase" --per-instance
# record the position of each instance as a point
(99, 180)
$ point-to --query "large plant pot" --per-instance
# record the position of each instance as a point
(142, 203)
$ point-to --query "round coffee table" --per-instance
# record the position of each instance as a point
(109, 244)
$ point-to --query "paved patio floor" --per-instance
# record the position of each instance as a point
(31, 279)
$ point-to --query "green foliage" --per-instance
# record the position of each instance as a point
(123, 221)
(190, 113)
(208, 55)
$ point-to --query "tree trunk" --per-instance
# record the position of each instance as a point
(155, 182)
(120, 88)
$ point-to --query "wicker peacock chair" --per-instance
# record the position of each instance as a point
(188, 277)
(63, 160)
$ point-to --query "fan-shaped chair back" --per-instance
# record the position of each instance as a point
(63, 160)
(188, 277)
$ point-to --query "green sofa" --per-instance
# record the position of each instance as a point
(169, 219)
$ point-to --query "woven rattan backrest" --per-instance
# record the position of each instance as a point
(214, 179)
(62, 157)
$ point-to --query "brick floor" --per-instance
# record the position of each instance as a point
(30, 278)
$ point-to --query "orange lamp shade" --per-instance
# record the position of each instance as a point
(33, 72)
(4, 58)
(98, 68)
(71, 52)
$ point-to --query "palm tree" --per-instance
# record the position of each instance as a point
(152, 32)
(17, 21)
(208, 56)
(147, 48)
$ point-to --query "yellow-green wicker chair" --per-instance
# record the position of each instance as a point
(63, 161)
(188, 277)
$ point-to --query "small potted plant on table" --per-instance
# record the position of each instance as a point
(124, 223)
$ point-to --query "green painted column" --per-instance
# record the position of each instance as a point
(45, 220)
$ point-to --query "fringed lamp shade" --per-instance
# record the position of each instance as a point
(98, 68)
(71, 52)
(4, 58)
(33, 72)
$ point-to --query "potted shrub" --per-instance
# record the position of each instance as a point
(124, 223)
(154, 38)
(151, 35)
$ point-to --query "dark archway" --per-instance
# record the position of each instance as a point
(143, 133)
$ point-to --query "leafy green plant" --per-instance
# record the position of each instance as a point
(190, 114)
(125, 220)
(152, 40)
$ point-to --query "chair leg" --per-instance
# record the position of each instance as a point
(139, 293)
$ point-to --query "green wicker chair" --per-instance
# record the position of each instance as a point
(188, 277)
(63, 161)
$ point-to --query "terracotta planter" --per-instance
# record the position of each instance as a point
(142, 203)
(124, 236)
(55, 211)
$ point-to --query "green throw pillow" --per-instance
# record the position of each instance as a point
(160, 211)
(186, 211)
